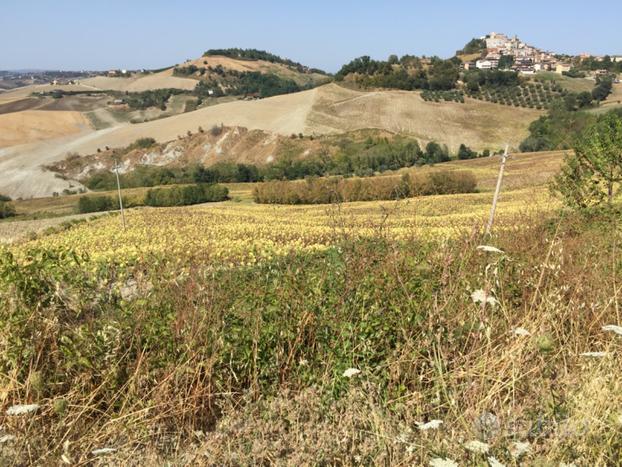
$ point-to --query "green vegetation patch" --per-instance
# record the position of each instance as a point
(337, 190)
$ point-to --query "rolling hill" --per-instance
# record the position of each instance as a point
(330, 109)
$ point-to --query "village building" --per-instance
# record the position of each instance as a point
(561, 68)
(487, 64)
(496, 41)
(527, 59)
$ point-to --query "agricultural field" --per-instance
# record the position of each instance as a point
(524, 171)
(391, 331)
(570, 84)
(247, 233)
(241, 260)
(535, 96)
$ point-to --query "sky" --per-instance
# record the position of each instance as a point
(132, 34)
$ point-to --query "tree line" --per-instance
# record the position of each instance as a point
(361, 159)
(254, 54)
(325, 190)
(407, 73)
(157, 197)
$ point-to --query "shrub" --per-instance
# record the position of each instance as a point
(593, 173)
(142, 143)
(97, 204)
(337, 189)
(4, 198)
(186, 195)
(6, 210)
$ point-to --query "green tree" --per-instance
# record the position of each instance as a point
(6, 209)
(473, 46)
(506, 62)
(466, 153)
(584, 99)
(591, 176)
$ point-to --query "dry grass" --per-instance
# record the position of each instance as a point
(402, 314)
(33, 125)
(571, 84)
(141, 82)
(480, 125)
(525, 176)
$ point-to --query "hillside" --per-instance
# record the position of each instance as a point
(35, 125)
(151, 316)
(526, 175)
(207, 68)
(330, 109)
(141, 82)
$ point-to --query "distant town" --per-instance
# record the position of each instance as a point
(503, 52)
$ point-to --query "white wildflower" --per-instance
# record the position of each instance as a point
(102, 451)
(519, 449)
(22, 409)
(595, 354)
(7, 439)
(563, 464)
(521, 332)
(431, 425)
(489, 249)
(477, 446)
(493, 462)
(350, 372)
(479, 296)
(439, 462)
(613, 328)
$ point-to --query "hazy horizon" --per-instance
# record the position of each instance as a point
(67, 35)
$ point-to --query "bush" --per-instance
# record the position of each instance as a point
(6, 210)
(186, 195)
(592, 174)
(97, 204)
(4, 198)
(153, 98)
(142, 143)
(337, 189)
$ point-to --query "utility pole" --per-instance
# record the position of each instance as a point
(116, 171)
(497, 190)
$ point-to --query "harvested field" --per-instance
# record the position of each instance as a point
(480, 125)
(139, 83)
(30, 103)
(35, 125)
(329, 109)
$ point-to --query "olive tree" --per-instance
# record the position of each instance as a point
(592, 174)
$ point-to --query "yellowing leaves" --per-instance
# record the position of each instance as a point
(233, 233)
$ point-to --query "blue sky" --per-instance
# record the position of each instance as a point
(70, 34)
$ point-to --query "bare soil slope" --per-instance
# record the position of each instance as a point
(142, 82)
(35, 125)
(479, 125)
(329, 109)
(26, 91)
(332, 109)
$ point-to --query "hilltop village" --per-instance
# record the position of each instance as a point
(503, 52)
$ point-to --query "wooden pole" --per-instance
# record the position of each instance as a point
(116, 171)
(497, 191)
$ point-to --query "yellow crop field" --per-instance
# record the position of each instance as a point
(236, 233)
